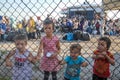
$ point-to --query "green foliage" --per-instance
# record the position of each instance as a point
(3, 51)
(5, 78)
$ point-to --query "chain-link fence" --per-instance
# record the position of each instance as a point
(75, 21)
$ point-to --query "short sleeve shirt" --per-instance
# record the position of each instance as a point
(72, 71)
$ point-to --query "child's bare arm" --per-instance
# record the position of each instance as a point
(98, 56)
(31, 58)
(39, 50)
(58, 47)
(94, 56)
(62, 62)
(111, 61)
(84, 64)
(8, 62)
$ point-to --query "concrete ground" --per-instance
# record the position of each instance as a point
(88, 47)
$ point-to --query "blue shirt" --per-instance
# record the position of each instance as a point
(3, 26)
(73, 69)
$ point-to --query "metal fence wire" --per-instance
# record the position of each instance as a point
(75, 22)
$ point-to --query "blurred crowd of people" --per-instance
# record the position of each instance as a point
(29, 27)
(97, 26)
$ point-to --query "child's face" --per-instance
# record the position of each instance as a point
(21, 45)
(48, 28)
(102, 46)
(74, 53)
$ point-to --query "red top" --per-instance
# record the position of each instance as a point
(101, 66)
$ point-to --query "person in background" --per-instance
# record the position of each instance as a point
(31, 26)
(3, 28)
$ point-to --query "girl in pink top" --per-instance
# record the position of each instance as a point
(51, 47)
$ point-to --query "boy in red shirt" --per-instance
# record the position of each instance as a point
(102, 59)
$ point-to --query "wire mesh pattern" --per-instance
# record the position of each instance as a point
(15, 17)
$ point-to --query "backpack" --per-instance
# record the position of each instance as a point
(77, 35)
(85, 36)
(69, 36)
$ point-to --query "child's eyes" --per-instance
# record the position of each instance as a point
(74, 52)
(19, 44)
(47, 28)
(101, 44)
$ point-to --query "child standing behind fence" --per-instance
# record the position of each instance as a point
(22, 67)
(102, 59)
(51, 48)
(74, 62)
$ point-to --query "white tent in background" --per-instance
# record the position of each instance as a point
(111, 4)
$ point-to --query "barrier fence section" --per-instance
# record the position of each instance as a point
(75, 22)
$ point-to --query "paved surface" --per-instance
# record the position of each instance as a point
(88, 47)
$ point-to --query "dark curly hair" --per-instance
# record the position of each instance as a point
(20, 37)
(48, 21)
(107, 40)
(76, 46)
